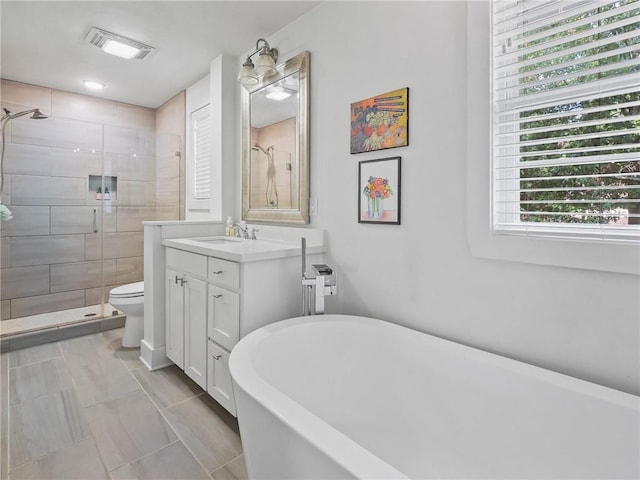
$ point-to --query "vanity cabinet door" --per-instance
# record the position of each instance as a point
(195, 331)
(174, 326)
(219, 378)
(224, 316)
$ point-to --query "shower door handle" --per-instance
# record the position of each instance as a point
(95, 220)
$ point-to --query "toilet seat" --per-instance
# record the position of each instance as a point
(130, 290)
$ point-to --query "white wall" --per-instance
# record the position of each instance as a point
(421, 273)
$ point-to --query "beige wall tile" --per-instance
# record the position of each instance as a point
(27, 159)
(23, 307)
(67, 220)
(5, 310)
(130, 218)
(45, 250)
(98, 295)
(168, 192)
(27, 220)
(24, 281)
(168, 143)
(127, 141)
(129, 270)
(93, 245)
(167, 213)
(127, 244)
(25, 96)
(57, 132)
(136, 194)
(37, 190)
(130, 244)
(170, 116)
(140, 168)
(5, 252)
(136, 117)
(66, 162)
(75, 276)
(83, 107)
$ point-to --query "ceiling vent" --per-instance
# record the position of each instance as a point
(118, 45)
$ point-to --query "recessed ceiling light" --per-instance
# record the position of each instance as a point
(93, 85)
(117, 44)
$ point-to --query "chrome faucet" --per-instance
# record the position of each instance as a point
(239, 228)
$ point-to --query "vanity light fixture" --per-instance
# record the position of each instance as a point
(118, 45)
(265, 64)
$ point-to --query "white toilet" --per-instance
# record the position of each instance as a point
(129, 298)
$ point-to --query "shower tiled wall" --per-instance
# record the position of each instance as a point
(51, 259)
(279, 136)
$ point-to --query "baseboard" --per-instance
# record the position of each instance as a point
(153, 358)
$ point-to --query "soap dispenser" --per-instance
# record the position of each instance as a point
(228, 231)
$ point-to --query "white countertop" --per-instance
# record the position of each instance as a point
(241, 250)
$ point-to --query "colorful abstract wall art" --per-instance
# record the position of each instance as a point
(380, 122)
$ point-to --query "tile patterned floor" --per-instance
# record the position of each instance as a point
(86, 408)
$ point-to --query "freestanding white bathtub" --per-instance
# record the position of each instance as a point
(338, 396)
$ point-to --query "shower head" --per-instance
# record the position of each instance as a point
(36, 114)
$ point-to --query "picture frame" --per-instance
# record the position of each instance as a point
(380, 122)
(379, 191)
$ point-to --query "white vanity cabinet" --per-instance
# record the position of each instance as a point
(186, 307)
(218, 292)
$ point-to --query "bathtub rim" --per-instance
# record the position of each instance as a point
(307, 424)
(351, 456)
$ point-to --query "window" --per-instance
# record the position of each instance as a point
(202, 151)
(566, 118)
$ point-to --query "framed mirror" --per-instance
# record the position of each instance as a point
(275, 146)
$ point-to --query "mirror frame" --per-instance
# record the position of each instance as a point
(300, 64)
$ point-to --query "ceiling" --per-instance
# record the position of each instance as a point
(43, 42)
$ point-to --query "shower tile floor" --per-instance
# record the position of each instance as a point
(87, 408)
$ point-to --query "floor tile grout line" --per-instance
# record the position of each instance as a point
(9, 362)
(227, 463)
(164, 417)
(91, 436)
(84, 410)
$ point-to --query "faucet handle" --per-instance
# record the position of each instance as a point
(253, 233)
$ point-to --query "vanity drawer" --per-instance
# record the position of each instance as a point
(224, 272)
(187, 262)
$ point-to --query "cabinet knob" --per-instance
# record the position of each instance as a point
(217, 273)
(216, 357)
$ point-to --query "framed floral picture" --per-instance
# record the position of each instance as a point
(380, 122)
(379, 191)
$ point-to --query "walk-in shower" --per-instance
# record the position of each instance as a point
(79, 186)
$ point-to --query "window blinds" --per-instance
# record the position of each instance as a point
(202, 151)
(566, 118)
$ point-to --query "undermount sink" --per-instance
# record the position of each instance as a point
(217, 241)
(245, 250)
